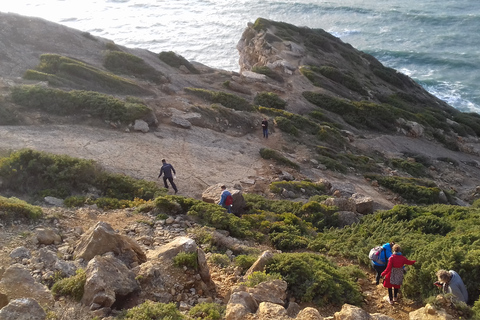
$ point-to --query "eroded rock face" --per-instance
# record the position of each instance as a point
(23, 309)
(101, 239)
(107, 278)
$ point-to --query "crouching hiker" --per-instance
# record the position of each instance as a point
(226, 199)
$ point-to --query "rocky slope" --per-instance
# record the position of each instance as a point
(218, 144)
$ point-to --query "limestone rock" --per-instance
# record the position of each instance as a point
(3, 300)
(47, 236)
(272, 311)
(363, 204)
(309, 314)
(17, 282)
(107, 279)
(54, 201)
(260, 263)
(101, 239)
(20, 253)
(429, 313)
(342, 203)
(23, 309)
(181, 122)
(141, 125)
(350, 312)
(271, 291)
(346, 218)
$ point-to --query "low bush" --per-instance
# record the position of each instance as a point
(226, 99)
(75, 201)
(40, 174)
(62, 71)
(258, 277)
(269, 100)
(128, 64)
(207, 311)
(266, 153)
(268, 72)
(219, 259)
(72, 286)
(244, 261)
(176, 60)
(314, 278)
(186, 259)
(413, 168)
(13, 208)
(416, 190)
(61, 102)
(150, 310)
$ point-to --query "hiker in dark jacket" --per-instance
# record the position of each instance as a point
(167, 170)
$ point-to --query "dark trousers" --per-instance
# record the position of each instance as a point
(394, 295)
(171, 182)
(265, 132)
(378, 270)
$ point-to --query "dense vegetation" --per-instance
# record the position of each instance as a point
(60, 71)
(176, 61)
(226, 99)
(436, 236)
(60, 102)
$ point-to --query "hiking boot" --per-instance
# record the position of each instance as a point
(176, 191)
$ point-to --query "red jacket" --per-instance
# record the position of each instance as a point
(395, 261)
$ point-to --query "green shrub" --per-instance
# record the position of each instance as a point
(71, 287)
(245, 261)
(176, 60)
(297, 122)
(314, 278)
(111, 203)
(268, 72)
(413, 168)
(62, 71)
(269, 100)
(150, 310)
(167, 205)
(338, 76)
(74, 201)
(266, 153)
(221, 260)
(286, 126)
(203, 236)
(186, 259)
(13, 208)
(258, 277)
(436, 236)
(125, 63)
(40, 173)
(74, 102)
(228, 100)
(207, 311)
(412, 189)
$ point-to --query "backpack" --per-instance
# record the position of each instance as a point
(229, 200)
(374, 254)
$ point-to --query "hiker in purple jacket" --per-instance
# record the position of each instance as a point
(167, 170)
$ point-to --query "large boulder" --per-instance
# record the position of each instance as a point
(23, 309)
(350, 312)
(47, 236)
(270, 291)
(429, 312)
(260, 263)
(101, 239)
(160, 279)
(363, 204)
(17, 283)
(107, 279)
(271, 311)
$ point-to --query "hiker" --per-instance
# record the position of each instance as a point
(226, 199)
(451, 282)
(265, 128)
(394, 272)
(167, 170)
(382, 264)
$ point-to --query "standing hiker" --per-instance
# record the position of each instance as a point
(167, 170)
(265, 128)
(226, 199)
(394, 273)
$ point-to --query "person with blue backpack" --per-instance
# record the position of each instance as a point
(226, 199)
(379, 263)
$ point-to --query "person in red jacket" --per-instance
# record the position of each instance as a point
(394, 272)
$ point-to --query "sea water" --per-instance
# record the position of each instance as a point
(437, 43)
